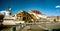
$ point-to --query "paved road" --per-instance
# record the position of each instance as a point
(32, 28)
(40, 27)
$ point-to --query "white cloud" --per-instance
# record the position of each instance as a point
(57, 6)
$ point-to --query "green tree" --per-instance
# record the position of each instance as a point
(54, 20)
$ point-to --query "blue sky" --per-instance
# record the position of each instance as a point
(47, 7)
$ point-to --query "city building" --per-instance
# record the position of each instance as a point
(23, 16)
(38, 16)
(32, 15)
(8, 18)
(54, 18)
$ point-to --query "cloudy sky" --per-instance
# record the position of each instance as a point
(48, 7)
